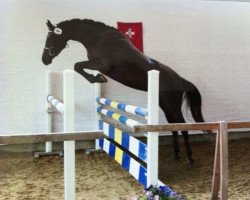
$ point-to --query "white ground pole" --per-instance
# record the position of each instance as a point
(69, 126)
(97, 116)
(153, 137)
(48, 145)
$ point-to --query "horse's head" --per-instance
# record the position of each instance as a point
(55, 43)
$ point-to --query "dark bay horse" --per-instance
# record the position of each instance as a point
(111, 53)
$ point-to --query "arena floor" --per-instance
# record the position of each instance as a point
(24, 177)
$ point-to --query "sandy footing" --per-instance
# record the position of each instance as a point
(23, 177)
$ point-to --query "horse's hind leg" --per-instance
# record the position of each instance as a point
(170, 119)
(176, 147)
(188, 147)
(171, 105)
(180, 119)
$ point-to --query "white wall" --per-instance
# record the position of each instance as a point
(207, 42)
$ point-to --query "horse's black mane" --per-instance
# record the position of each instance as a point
(86, 22)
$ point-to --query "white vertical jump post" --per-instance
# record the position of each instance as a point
(69, 126)
(67, 109)
(97, 93)
(49, 109)
(153, 137)
(97, 116)
(48, 145)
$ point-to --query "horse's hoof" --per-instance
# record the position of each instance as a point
(100, 78)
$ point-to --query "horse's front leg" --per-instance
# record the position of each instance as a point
(92, 65)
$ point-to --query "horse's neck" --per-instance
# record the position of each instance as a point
(83, 34)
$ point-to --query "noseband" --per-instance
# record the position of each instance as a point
(51, 52)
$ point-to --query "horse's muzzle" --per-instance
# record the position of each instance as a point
(46, 61)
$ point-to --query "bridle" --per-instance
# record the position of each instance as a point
(50, 50)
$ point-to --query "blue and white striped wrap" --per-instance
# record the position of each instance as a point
(138, 171)
(133, 145)
(124, 107)
(117, 117)
(56, 104)
(131, 165)
(136, 147)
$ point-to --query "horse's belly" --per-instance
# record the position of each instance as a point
(138, 82)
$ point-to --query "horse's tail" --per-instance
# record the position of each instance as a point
(193, 101)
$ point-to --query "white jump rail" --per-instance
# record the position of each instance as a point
(58, 106)
(220, 175)
(69, 136)
(152, 113)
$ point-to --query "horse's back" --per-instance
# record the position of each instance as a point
(125, 62)
(169, 79)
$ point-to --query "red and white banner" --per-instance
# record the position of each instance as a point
(134, 32)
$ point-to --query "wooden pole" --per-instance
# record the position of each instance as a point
(53, 137)
(224, 160)
(176, 127)
(216, 172)
(188, 126)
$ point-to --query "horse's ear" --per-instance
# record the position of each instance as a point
(50, 25)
